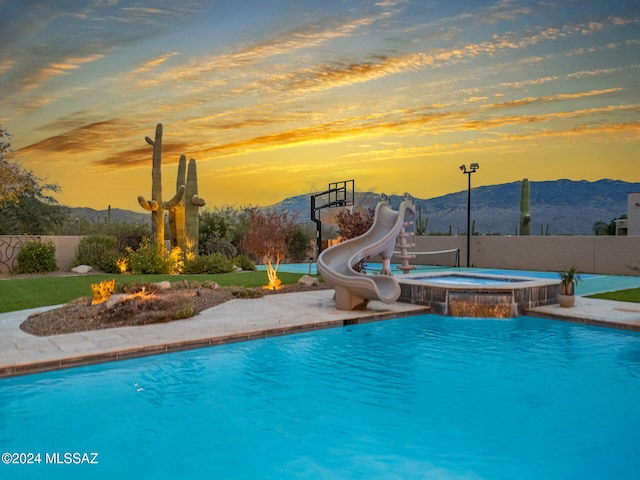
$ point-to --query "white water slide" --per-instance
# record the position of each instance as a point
(354, 289)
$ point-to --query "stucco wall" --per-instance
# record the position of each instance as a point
(10, 246)
(590, 254)
(633, 214)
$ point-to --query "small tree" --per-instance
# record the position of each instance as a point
(35, 211)
(269, 237)
(215, 234)
(300, 248)
(15, 180)
(352, 225)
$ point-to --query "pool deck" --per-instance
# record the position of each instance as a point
(240, 320)
(233, 321)
(595, 312)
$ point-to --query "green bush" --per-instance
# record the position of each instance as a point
(214, 263)
(98, 251)
(244, 263)
(36, 257)
(148, 259)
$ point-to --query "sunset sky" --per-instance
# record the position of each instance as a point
(281, 97)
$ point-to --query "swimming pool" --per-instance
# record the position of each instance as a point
(419, 397)
(462, 279)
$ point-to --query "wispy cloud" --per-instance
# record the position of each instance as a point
(376, 80)
(84, 138)
(593, 73)
(154, 63)
(503, 10)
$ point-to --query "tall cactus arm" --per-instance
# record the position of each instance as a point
(176, 212)
(149, 141)
(196, 200)
(149, 205)
(177, 198)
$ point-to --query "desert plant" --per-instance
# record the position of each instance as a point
(176, 213)
(156, 206)
(36, 257)
(568, 280)
(98, 251)
(421, 225)
(215, 244)
(102, 291)
(355, 223)
(269, 237)
(185, 312)
(352, 225)
(525, 215)
(242, 292)
(244, 262)
(149, 259)
(300, 245)
(192, 206)
(147, 288)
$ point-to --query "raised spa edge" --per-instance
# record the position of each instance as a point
(510, 295)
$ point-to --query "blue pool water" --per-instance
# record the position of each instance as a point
(458, 279)
(422, 397)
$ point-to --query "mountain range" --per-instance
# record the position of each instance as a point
(557, 207)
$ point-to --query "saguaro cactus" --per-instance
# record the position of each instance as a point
(525, 216)
(156, 206)
(421, 225)
(176, 214)
(191, 206)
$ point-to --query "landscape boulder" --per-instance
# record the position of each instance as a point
(308, 281)
(82, 269)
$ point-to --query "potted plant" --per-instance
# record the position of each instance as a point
(568, 280)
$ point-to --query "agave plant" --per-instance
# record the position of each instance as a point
(568, 280)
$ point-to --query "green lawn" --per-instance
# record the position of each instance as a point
(24, 293)
(630, 295)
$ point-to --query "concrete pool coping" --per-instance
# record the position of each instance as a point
(241, 320)
(233, 321)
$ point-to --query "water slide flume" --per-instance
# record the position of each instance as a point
(354, 289)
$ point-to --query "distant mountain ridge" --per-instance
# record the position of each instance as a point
(565, 207)
(116, 215)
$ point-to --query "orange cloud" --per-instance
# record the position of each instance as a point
(91, 137)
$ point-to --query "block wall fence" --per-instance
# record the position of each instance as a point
(604, 254)
(609, 255)
(10, 246)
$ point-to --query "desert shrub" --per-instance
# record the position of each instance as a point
(175, 261)
(36, 257)
(244, 262)
(214, 263)
(98, 251)
(300, 246)
(185, 312)
(242, 292)
(149, 259)
(145, 287)
(191, 284)
(102, 291)
(215, 244)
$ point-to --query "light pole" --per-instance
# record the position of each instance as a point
(472, 169)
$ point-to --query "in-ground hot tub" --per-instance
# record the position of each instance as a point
(477, 295)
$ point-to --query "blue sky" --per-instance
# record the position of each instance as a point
(283, 97)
